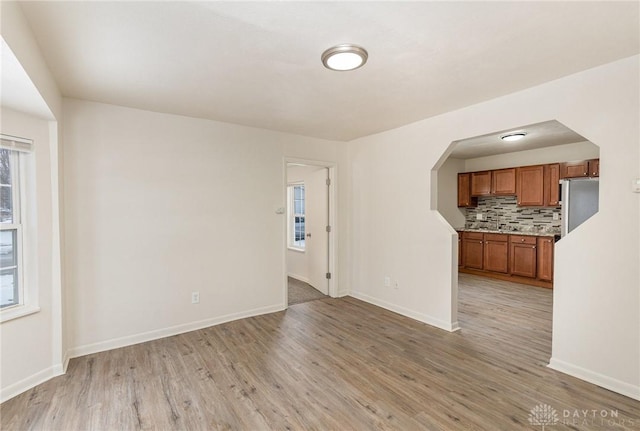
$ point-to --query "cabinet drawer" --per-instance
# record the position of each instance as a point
(496, 237)
(523, 239)
(473, 235)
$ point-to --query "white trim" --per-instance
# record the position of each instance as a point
(606, 382)
(27, 383)
(299, 277)
(17, 311)
(297, 250)
(14, 143)
(129, 340)
(421, 317)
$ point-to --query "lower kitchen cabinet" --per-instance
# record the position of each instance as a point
(526, 259)
(496, 253)
(460, 249)
(472, 248)
(523, 256)
(545, 258)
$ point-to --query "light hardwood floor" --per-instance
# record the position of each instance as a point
(331, 364)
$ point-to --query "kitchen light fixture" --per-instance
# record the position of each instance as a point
(510, 137)
(344, 57)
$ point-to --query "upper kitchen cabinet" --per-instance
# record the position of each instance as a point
(530, 186)
(594, 168)
(503, 182)
(481, 183)
(551, 185)
(464, 191)
(580, 168)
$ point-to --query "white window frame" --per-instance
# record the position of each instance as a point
(27, 299)
(291, 215)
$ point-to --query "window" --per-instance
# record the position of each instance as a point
(15, 300)
(11, 230)
(296, 216)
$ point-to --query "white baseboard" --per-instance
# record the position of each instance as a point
(424, 318)
(606, 382)
(167, 332)
(299, 277)
(27, 383)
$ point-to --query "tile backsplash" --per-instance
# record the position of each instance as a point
(504, 212)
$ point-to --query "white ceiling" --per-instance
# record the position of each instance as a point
(258, 63)
(539, 135)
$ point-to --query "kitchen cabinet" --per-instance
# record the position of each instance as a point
(503, 182)
(551, 185)
(575, 169)
(472, 249)
(545, 258)
(460, 252)
(522, 256)
(496, 252)
(481, 183)
(530, 186)
(594, 168)
(464, 191)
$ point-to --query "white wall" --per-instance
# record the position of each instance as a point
(158, 206)
(448, 191)
(298, 262)
(396, 231)
(46, 326)
(27, 342)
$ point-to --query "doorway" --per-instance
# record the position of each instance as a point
(308, 243)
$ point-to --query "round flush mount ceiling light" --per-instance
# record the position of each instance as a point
(510, 137)
(344, 57)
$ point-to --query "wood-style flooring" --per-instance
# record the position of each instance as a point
(332, 364)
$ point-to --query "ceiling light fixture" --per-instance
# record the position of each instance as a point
(510, 137)
(344, 57)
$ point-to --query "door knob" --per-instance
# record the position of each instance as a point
(309, 235)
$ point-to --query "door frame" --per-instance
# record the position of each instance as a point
(333, 222)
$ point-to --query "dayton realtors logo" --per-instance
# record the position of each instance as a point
(544, 415)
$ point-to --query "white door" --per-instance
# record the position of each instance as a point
(317, 220)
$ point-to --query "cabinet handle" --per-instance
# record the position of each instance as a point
(522, 240)
(533, 246)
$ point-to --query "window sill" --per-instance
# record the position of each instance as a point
(299, 250)
(17, 312)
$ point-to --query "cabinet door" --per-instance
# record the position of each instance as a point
(481, 183)
(522, 256)
(545, 258)
(530, 186)
(574, 169)
(460, 252)
(551, 185)
(464, 191)
(594, 168)
(472, 249)
(503, 182)
(496, 253)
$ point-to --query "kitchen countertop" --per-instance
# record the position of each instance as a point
(506, 232)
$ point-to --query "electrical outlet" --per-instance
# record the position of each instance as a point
(195, 297)
(479, 216)
(387, 281)
(556, 216)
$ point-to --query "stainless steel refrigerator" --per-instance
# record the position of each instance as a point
(579, 201)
